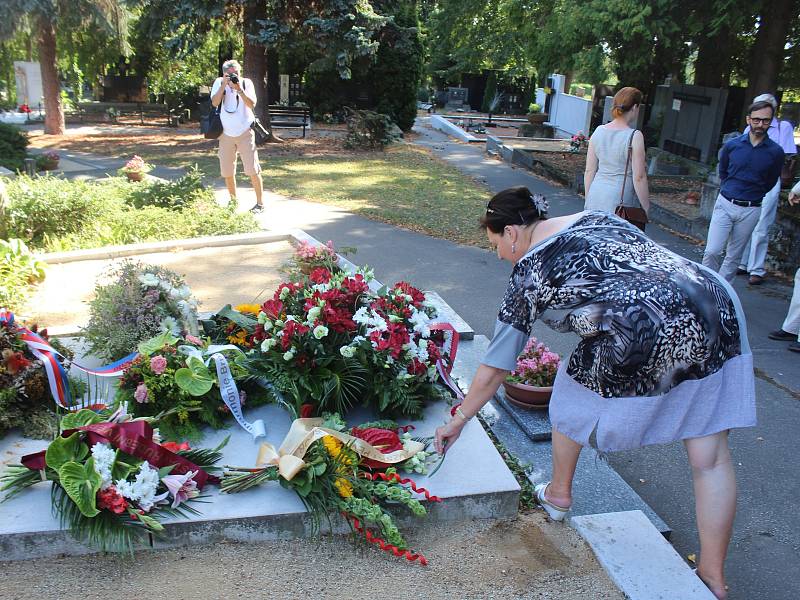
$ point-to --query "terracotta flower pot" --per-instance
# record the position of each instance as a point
(527, 396)
(537, 118)
(134, 175)
(49, 165)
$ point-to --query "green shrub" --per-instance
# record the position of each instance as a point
(56, 215)
(48, 207)
(13, 147)
(368, 130)
(173, 195)
(19, 270)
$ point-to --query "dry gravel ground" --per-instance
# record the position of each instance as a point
(528, 557)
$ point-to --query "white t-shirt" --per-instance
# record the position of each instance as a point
(235, 115)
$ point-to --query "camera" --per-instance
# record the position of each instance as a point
(233, 78)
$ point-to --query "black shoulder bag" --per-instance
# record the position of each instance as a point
(211, 124)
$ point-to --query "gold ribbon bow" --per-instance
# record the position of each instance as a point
(304, 432)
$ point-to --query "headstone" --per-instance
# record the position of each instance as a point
(284, 89)
(29, 83)
(456, 98)
(693, 118)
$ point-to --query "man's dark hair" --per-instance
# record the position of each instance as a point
(759, 106)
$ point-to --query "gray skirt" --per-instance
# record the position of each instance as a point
(693, 408)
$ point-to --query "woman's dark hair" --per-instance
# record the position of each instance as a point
(514, 206)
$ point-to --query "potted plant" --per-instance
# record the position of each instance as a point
(47, 161)
(530, 384)
(535, 114)
(135, 169)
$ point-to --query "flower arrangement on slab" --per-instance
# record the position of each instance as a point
(139, 302)
(171, 380)
(25, 399)
(136, 168)
(352, 471)
(112, 482)
(330, 342)
(577, 141)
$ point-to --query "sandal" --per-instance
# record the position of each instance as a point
(557, 513)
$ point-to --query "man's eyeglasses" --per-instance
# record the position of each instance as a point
(756, 120)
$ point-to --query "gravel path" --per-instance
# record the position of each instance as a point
(528, 557)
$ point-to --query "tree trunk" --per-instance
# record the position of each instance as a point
(768, 51)
(54, 115)
(255, 63)
(712, 68)
(273, 77)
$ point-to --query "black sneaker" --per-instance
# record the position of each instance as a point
(782, 336)
(794, 346)
(258, 208)
(741, 271)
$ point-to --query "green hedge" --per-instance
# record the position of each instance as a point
(13, 147)
(53, 214)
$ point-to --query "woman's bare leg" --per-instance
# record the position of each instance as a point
(565, 458)
(715, 505)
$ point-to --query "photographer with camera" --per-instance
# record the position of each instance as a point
(238, 98)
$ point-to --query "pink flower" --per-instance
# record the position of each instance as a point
(194, 340)
(158, 364)
(141, 393)
(182, 487)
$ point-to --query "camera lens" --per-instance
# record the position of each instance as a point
(233, 78)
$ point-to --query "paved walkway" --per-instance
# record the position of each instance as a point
(764, 560)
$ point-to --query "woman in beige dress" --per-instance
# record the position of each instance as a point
(608, 153)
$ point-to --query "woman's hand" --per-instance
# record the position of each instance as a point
(447, 434)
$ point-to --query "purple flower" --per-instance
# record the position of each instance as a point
(141, 393)
(182, 487)
(158, 364)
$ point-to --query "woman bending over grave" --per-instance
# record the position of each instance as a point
(663, 353)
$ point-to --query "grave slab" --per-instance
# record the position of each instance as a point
(534, 422)
(639, 561)
(474, 482)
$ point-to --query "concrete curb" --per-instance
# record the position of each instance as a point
(239, 239)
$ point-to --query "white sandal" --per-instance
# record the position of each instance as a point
(557, 513)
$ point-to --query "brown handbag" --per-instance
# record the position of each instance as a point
(632, 214)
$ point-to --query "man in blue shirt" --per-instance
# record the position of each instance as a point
(749, 167)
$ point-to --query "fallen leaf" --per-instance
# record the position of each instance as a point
(692, 558)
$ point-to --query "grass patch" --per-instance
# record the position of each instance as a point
(404, 185)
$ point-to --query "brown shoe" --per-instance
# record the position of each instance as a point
(755, 280)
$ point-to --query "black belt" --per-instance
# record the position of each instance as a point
(745, 203)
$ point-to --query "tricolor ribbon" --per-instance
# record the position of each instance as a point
(444, 368)
(56, 375)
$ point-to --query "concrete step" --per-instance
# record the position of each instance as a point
(639, 561)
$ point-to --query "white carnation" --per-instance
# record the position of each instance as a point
(267, 345)
(143, 489)
(287, 356)
(347, 351)
(320, 331)
(104, 457)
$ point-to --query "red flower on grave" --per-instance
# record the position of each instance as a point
(111, 499)
(320, 275)
(176, 447)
